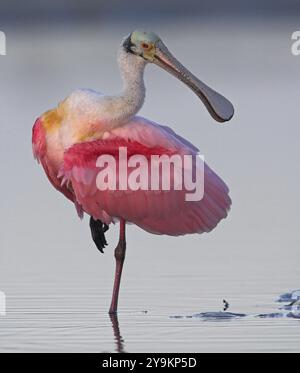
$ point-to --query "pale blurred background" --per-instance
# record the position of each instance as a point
(57, 284)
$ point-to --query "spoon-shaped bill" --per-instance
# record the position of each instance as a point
(218, 106)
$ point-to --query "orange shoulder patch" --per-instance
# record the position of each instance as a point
(52, 119)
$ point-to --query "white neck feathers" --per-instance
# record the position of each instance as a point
(126, 104)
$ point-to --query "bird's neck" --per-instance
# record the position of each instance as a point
(126, 104)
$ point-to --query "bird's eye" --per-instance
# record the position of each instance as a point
(145, 46)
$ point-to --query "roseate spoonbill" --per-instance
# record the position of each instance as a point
(68, 140)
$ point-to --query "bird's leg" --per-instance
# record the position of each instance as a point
(97, 230)
(120, 256)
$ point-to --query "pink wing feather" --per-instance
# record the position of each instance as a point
(39, 149)
(159, 212)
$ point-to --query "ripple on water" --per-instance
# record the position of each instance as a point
(213, 316)
(291, 310)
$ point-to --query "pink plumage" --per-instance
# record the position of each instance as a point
(158, 212)
(155, 211)
(40, 152)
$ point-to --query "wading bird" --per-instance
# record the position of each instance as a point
(68, 140)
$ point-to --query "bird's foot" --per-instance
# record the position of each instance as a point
(97, 230)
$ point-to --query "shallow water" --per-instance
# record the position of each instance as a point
(157, 314)
(58, 286)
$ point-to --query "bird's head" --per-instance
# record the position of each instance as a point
(150, 47)
(142, 44)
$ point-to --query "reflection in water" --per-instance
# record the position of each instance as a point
(119, 341)
(293, 297)
(212, 316)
